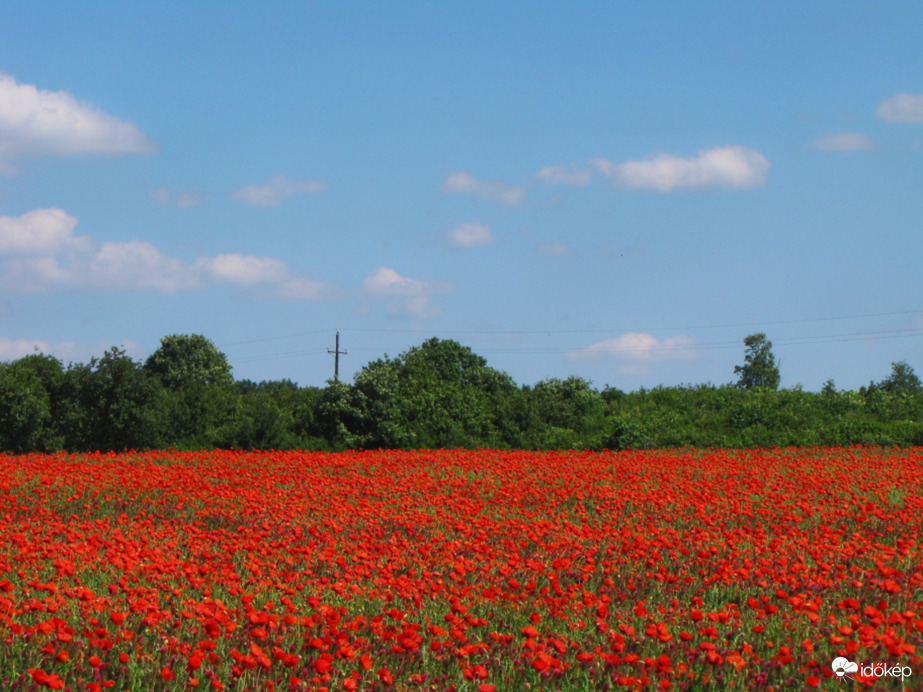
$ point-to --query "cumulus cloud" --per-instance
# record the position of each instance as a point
(844, 141)
(131, 265)
(27, 274)
(277, 190)
(635, 346)
(244, 270)
(469, 235)
(564, 175)
(38, 252)
(35, 122)
(181, 199)
(902, 108)
(495, 191)
(387, 282)
(136, 264)
(405, 294)
(721, 167)
(41, 231)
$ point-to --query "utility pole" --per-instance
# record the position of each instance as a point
(336, 358)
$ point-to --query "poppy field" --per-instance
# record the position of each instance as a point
(462, 570)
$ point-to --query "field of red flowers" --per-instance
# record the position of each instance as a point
(461, 570)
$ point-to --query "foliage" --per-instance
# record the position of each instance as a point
(120, 407)
(28, 388)
(902, 381)
(623, 435)
(187, 360)
(759, 368)
(437, 395)
(568, 414)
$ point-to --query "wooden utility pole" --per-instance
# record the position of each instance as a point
(336, 358)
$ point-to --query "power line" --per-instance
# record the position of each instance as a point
(277, 338)
(644, 329)
(619, 349)
(279, 356)
(514, 332)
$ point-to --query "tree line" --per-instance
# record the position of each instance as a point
(436, 395)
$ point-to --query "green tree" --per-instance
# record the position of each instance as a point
(902, 381)
(448, 396)
(759, 368)
(197, 377)
(259, 422)
(378, 416)
(112, 404)
(623, 435)
(273, 414)
(189, 359)
(438, 394)
(570, 413)
(29, 389)
(341, 418)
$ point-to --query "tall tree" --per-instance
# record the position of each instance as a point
(120, 405)
(902, 381)
(189, 359)
(438, 394)
(197, 377)
(759, 368)
(448, 395)
(28, 394)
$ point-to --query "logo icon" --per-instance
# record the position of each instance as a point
(842, 666)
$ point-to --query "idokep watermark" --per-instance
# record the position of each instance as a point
(843, 667)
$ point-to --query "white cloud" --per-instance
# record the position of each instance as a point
(554, 250)
(843, 141)
(407, 294)
(274, 192)
(244, 270)
(42, 253)
(137, 264)
(638, 347)
(469, 235)
(496, 191)
(563, 175)
(902, 108)
(35, 122)
(35, 274)
(182, 199)
(387, 282)
(721, 167)
(41, 231)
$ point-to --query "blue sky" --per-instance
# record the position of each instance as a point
(620, 191)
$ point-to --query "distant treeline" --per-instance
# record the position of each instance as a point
(439, 394)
